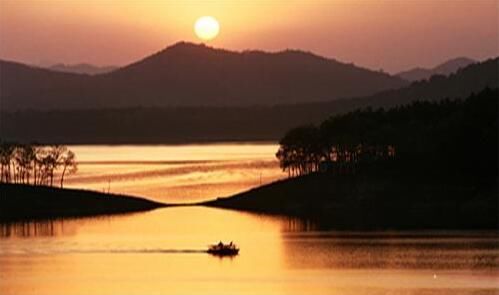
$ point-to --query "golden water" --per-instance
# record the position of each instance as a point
(160, 251)
(175, 173)
(141, 254)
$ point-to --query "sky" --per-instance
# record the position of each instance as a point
(388, 35)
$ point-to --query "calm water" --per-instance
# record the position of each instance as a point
(160, 251)
(175, 173)
(142, 254)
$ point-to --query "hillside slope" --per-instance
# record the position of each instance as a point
(187, 74)
(208, 124)
(26, 202)
(446, 68)
(379, 200)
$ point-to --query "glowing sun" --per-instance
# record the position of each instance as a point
(206, 28)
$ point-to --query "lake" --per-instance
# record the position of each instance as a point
(143, 253)
(175, 173)
(161, 251)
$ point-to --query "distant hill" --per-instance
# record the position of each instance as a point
(187, 74)
(465, 81)
(82, 68)
(446, 68)
(209, 124)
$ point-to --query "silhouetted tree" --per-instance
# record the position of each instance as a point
(6, 156)
(459, 136)
(300, 151)
(69, 164)
(19, 163)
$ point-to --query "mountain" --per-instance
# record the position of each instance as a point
(446, 68)
(82, 68)
(451, 66)
(187, 74)
(210, 124)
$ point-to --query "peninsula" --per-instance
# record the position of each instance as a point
(27, 202)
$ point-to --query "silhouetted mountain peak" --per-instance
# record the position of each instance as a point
(187, 54)
(186, 46)
(452, 65)
(449, 67)
(179, 53)
(190, 74)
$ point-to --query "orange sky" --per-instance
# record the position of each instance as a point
(393, 35)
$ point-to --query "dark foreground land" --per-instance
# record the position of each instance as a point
(24, 202)
(377, 200)
(420, 166)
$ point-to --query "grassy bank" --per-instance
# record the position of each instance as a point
(23, 202)
(377, 200)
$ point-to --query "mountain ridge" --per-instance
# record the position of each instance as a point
(180, 125)
(188, 74)
(446, 68)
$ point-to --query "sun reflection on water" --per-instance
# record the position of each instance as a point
(161, 251)
(181, 173)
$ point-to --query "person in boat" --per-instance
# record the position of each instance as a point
(223, 249)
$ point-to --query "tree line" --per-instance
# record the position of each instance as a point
(35, 164)
(224, 123)
(458, 136)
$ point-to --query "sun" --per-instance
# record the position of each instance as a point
(206, 28)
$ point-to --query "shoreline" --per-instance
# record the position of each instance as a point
(20, 202)
(374, 202)
(362, 202)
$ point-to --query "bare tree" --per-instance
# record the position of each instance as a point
(25, 156)
(54, 160)
(21, 163)
(69, 164)
(6, 155)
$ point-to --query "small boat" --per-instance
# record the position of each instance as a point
(222, 249)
